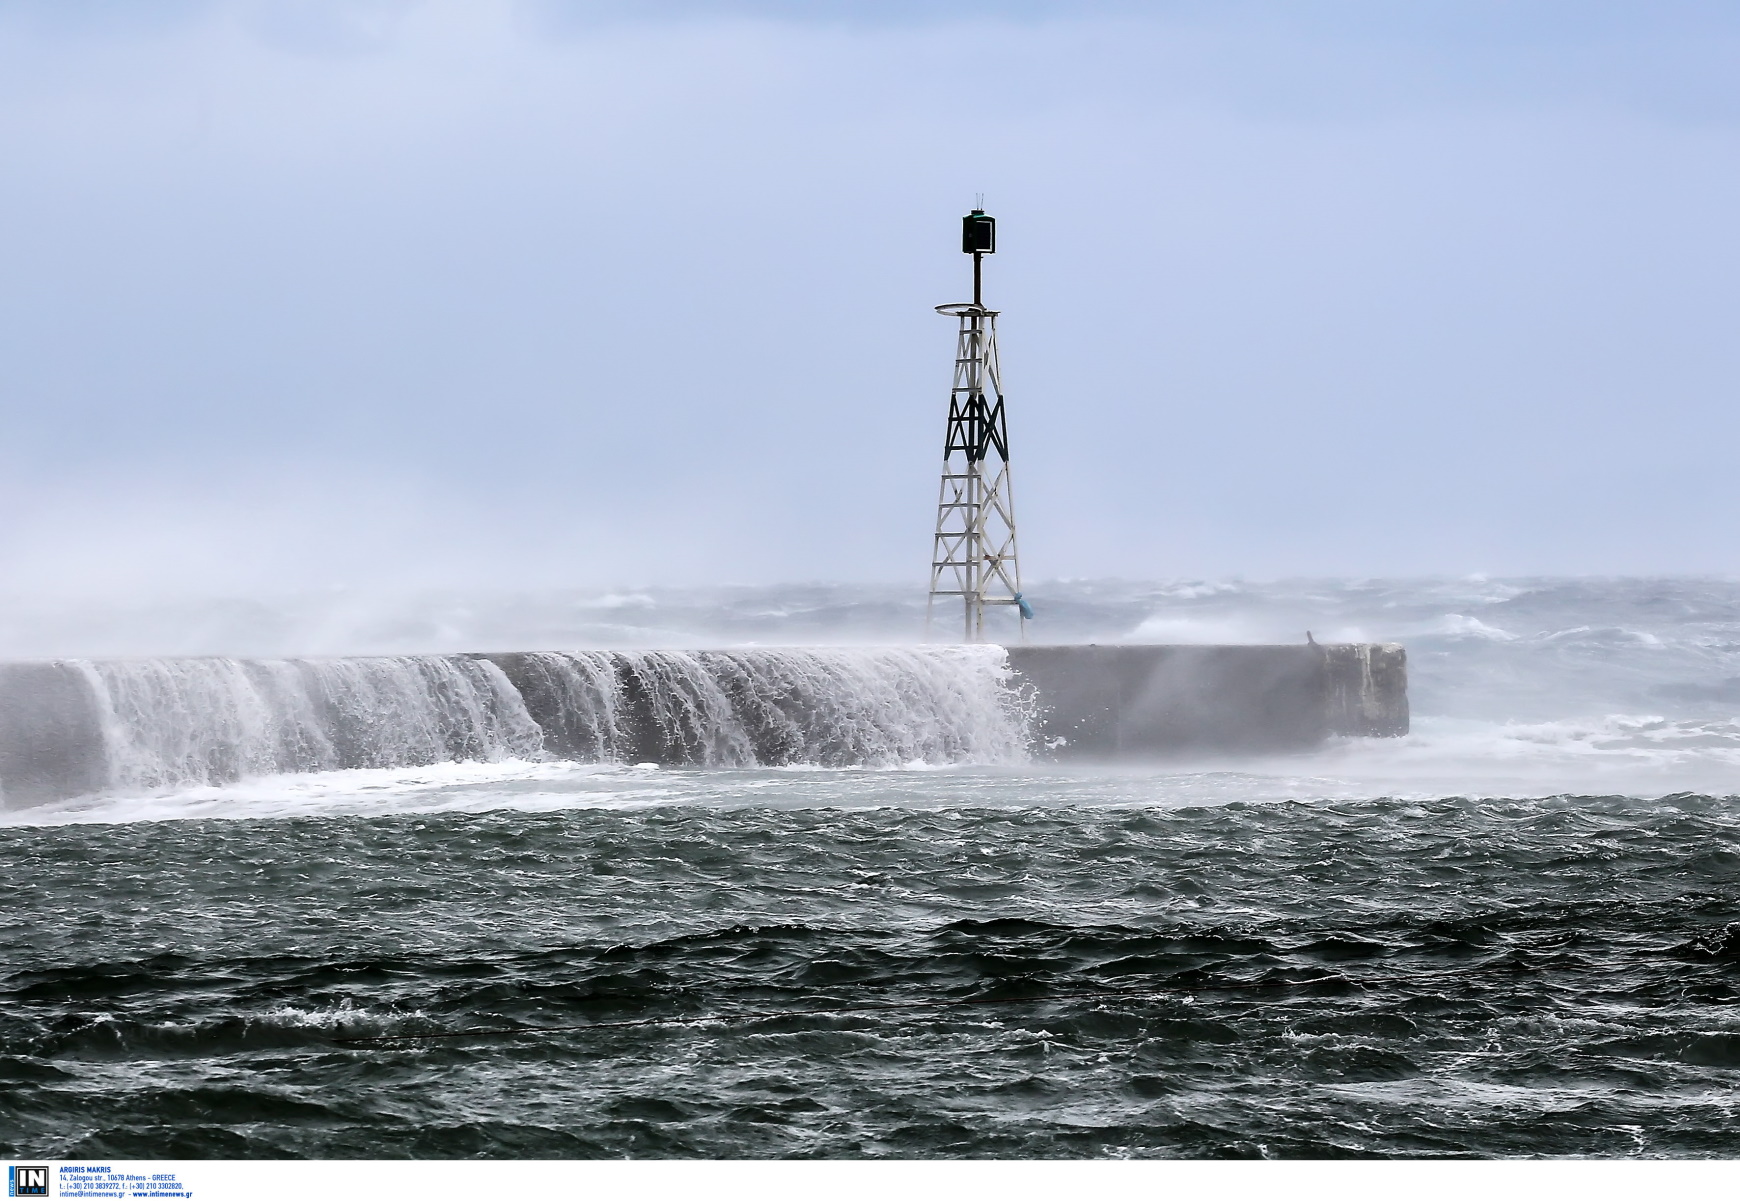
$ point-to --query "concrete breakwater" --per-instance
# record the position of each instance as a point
(1099, 702)
(74, 727)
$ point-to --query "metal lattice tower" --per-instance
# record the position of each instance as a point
(973, 554)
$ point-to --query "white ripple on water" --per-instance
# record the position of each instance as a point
(1623, 755)
(364, 792)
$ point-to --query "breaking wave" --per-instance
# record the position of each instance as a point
(174, 723)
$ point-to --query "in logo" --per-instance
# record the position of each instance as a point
(26, 1182)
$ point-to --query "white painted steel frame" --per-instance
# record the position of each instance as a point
(974, 552)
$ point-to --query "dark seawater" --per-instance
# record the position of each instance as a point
(1514, 933)
(1457, 977)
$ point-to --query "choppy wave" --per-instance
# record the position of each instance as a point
(1515, 932)
(1352, 978)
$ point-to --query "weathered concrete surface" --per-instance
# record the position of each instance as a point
(1132, 701)
(1368, 689)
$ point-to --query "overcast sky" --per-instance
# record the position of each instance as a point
(527, 294)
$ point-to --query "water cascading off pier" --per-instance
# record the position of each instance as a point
(75, 727)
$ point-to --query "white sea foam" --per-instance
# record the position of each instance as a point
(1619, 754)
(429, 788)
(1460, 625)
(1637, 755)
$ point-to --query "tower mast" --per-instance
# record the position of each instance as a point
(973, 555)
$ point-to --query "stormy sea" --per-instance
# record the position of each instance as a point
(319, 886)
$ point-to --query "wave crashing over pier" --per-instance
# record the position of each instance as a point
(141, 725)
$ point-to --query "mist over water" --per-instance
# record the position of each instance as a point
(1519, 688)
(900, 931)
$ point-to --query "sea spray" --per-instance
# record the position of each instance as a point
(174, 723)
(775, 707)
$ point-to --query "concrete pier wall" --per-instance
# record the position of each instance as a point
(71, 728)
(1102, 702)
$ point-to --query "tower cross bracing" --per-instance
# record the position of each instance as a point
(974, 549)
